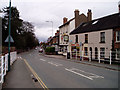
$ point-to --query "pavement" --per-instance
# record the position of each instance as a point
(93, 63)
(19, 77)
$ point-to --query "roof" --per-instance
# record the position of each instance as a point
(104, 23)
(66, 23)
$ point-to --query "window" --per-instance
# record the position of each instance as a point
(117, 36)
(86, 38)
(102, 53)
(86, 51)
(76, 38)
(118, 53)
(102, 37)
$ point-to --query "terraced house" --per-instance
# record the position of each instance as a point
(97, 38)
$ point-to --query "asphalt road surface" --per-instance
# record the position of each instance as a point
(57, 73)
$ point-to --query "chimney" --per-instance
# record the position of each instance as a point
(89, 15)
(55, 34)
(76, 12)
(119, 6)
(57, 31)
(64, 20)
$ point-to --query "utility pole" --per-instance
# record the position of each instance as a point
(9, 36)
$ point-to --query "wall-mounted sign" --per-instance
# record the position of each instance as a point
(70, 41)
(66, 38)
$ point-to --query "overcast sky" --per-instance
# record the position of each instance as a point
(39, 11)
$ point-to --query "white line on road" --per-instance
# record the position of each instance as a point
(78, 74)
(55, 64)
(82, 73)
(42, 60)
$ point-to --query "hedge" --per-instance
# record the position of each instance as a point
(50, 49)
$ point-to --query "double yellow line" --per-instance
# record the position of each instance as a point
(35, 74)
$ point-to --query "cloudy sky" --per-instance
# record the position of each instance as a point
(39, 11)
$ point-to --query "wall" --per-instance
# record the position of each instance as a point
(94, 40)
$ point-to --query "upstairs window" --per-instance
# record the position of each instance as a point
(86, 38)
(117, 36)
(102, 37)
(76, 38)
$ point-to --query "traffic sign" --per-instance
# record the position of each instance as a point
(11, 39)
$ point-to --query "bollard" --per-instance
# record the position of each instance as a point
(110, 57)
(99, 56)
(90, 56)
(82, 55)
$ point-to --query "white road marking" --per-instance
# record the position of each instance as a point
(78, 74)
(42, 60)
(82, 73)
(55, 64)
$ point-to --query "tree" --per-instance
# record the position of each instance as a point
(21, 31)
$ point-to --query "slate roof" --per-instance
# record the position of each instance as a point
(104, 23)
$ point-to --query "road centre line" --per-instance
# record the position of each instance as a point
(42, 59)
(55, 64)
(35, 74)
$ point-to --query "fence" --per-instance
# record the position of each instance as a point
(4, 64)
(100, 56)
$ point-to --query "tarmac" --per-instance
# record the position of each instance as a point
(19, 76)
(115, 67)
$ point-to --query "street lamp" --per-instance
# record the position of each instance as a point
(52, 26)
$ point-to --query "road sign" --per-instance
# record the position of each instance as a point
(11, 39)
(80, 43)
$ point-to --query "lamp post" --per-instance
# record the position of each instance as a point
(52, 26)
(9, 36)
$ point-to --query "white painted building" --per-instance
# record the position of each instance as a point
(69, 26)
(97, 37)
(64, 35)
(92, 42)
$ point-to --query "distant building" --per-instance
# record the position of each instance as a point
(54, 41)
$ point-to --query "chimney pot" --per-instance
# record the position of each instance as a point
(64, 20)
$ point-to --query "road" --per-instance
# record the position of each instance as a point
(57, 73)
